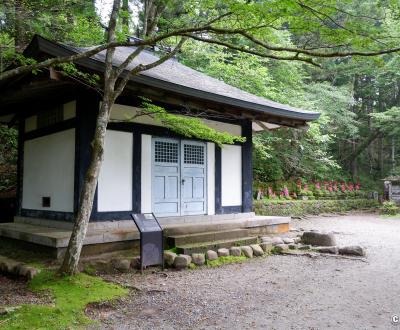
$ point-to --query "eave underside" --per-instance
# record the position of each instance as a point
(20, 99)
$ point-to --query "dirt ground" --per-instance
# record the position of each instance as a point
(277, 292)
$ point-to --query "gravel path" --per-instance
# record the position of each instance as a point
(277, 292)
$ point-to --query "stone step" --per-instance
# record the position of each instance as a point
(208, 236)
(215, 245)
(59, 238)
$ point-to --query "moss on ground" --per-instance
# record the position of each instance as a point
(225, 260)
(71, 295)
(174, 250)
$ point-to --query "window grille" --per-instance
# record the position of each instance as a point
(193, 154)
(50, 117)
(166, 152)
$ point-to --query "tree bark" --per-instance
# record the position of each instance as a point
(19, 27)
(72, 256)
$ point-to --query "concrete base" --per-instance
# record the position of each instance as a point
(107, 236)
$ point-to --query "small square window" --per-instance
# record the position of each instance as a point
(46, 201)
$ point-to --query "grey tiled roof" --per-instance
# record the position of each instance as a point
(175, 76)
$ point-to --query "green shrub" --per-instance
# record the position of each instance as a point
(311, 206)
(389, 208)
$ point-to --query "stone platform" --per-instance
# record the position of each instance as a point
(106, 236)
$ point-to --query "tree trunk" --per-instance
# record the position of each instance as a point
(71, 259)
(393, 159)
(125, 17)
(19, 27)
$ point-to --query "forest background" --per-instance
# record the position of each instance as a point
(355, 139)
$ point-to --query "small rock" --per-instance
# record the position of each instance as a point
(26, 271)
(122, 265)
(135, 262)
(169, 258)
(10, 266)
(266, 239)
(297, 240)
(235, 251)
(304, 247)
(223, 252)
(198, 259)
(328, 249)
(318, 239)
(281, 247)
(277, 240)
(212, 255)
(103, 265)
(247, 251)
(257, 250)
(354, 250)
(267, 247)
(288, 240)
(292, 246)
(182, 261)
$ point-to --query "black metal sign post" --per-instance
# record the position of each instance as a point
(151, 240)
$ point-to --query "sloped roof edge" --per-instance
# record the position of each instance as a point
(95, 63)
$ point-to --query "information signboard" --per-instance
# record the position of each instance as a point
(151, 240)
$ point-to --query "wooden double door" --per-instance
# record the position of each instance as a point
(179, 178)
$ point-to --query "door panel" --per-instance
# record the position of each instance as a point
(193, 169)
(166, 177)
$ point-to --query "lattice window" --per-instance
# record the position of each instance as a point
(166, 152)
(50, 117)
(193, 154)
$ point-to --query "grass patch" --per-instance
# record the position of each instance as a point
(225, 260)
(71, 295)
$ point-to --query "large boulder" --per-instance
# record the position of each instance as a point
(182, 261)
(354, 250)
(257, 250)
(247, 251)
(328, 249)
(318, 239)
(211, 255)
(198, 259)
(235, 251)
(169, 258)
(223, 252)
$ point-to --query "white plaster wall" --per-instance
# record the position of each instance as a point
(146, 174)
(115, 179)
(49, 172)
(210, 178)
(231, 175)
(124, 112)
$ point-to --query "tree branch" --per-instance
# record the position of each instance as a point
(243, 49)
(140, 68)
